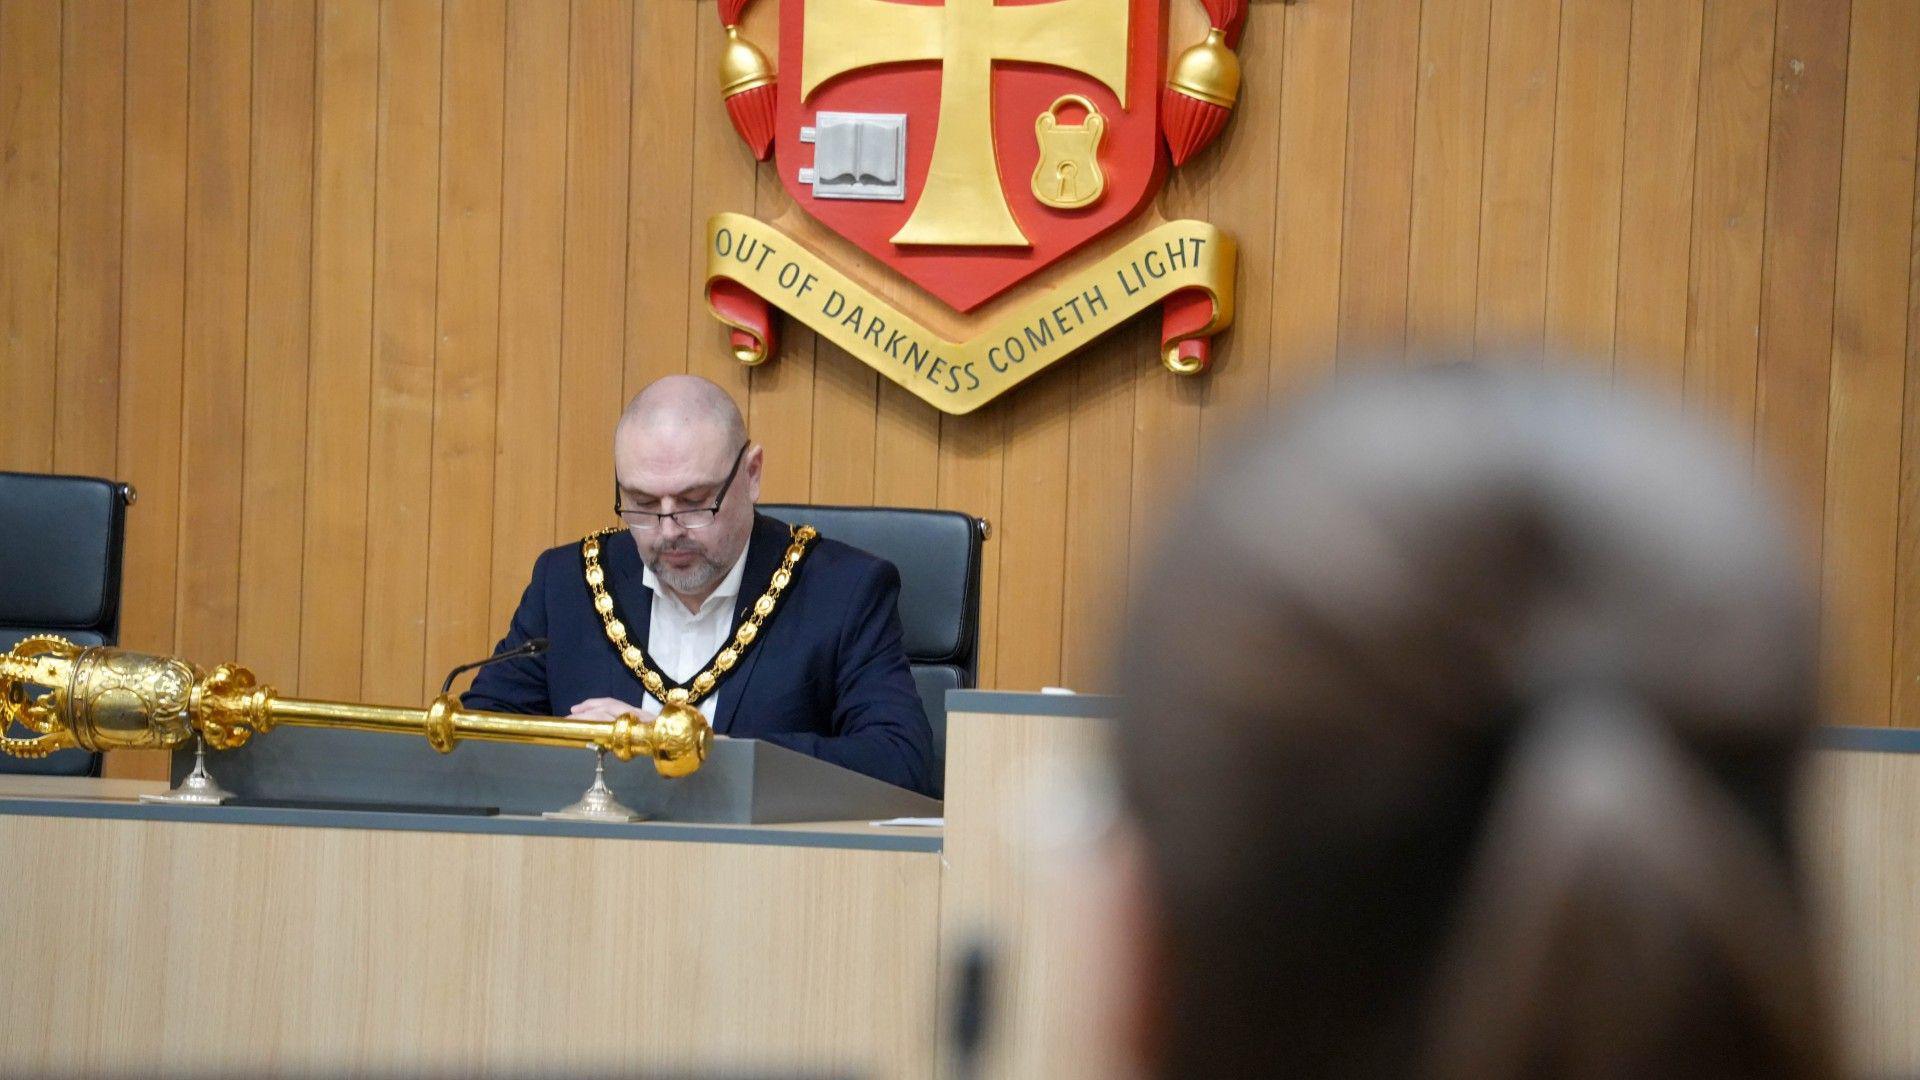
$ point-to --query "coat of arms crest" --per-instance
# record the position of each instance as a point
(974, 148)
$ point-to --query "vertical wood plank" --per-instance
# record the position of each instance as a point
(1906, 627)
(1869, 356)
(92, 129)
(1589, 146)
(151, 311)
(339, 375)
(1656, 194)
(219, 118)
(459, 554)
(30, 103)
(1382, 86)
(1033, 533)
(906, 449)
(1449, 135)
(532, 259)
(1312, 183)
(400, 413)
(781, 391)
(660, 284)
(593, 329)
(845, 413)
(1797, 272)
(1729, 212)
(1099, 504)
(279, 266)
(1516, 195)
(779, 409)
(971, 453)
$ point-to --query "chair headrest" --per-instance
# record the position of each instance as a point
(938, 555)
(60, 563)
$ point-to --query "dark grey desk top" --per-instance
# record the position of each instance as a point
(1106, 707)
(846, 835)
(1874, 739)
(1089, 706)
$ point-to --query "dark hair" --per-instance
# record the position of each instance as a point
(1463, 723)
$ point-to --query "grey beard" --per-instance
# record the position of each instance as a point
(693, 579)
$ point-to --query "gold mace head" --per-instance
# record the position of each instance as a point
(681, 740)
(1209, 71)
(94, 698)
(742, 65)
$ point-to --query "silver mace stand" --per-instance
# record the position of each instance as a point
(198, 789)
(598, 804)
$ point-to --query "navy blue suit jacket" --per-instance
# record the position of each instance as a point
(828, 675)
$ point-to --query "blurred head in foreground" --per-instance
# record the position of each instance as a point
(1466, 747)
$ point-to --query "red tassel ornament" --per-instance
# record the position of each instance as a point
(747, 82)
(1204, 83)
(1199, 95)
(1227, 16)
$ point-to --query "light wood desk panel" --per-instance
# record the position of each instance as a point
(1864, 845)
(135, 945)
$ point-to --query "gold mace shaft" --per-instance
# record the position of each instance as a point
(109, 699)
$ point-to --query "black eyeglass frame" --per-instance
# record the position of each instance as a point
(658, 517)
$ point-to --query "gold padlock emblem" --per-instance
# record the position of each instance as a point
(1068, 176)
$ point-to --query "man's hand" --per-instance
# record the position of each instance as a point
(608, 709)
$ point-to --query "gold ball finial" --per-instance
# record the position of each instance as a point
(1208, 71)
(742, 65)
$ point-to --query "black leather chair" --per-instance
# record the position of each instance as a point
(61, 539)
(938, 555)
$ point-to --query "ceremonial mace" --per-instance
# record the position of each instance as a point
(101, 698)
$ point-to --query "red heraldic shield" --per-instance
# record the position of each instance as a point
(968, 144)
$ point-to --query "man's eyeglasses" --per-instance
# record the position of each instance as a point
(698, 518)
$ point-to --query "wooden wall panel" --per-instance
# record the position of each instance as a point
(1518, 184)
(152, 305)
(1729, 200)
(353, 293)
(466, 370)
(1869, 353)
(1311, 186)
(593, 321)
(92, 155)
(1589, 144)
(532, 250)
(1449, 143)
(1796, 290)
(30, 106)
(406, 233)
(213, 393)
(1382, 82)
(340, 335)
(279, 277)
(1656, 195)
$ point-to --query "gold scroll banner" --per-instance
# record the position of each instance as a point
(960, 376)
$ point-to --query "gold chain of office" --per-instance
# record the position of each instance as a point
(723, 661)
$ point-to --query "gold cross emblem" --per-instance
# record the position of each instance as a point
(962, 203)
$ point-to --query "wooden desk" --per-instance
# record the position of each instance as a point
(156, 938)
(285, 941)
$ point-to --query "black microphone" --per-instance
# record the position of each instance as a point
(530, 647)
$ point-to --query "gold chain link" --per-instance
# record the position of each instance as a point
(725, 660)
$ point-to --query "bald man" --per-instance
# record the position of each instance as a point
(826, 674)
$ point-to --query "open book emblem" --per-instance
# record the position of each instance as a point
(857, 156)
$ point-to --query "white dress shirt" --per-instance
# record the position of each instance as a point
(680, 642)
